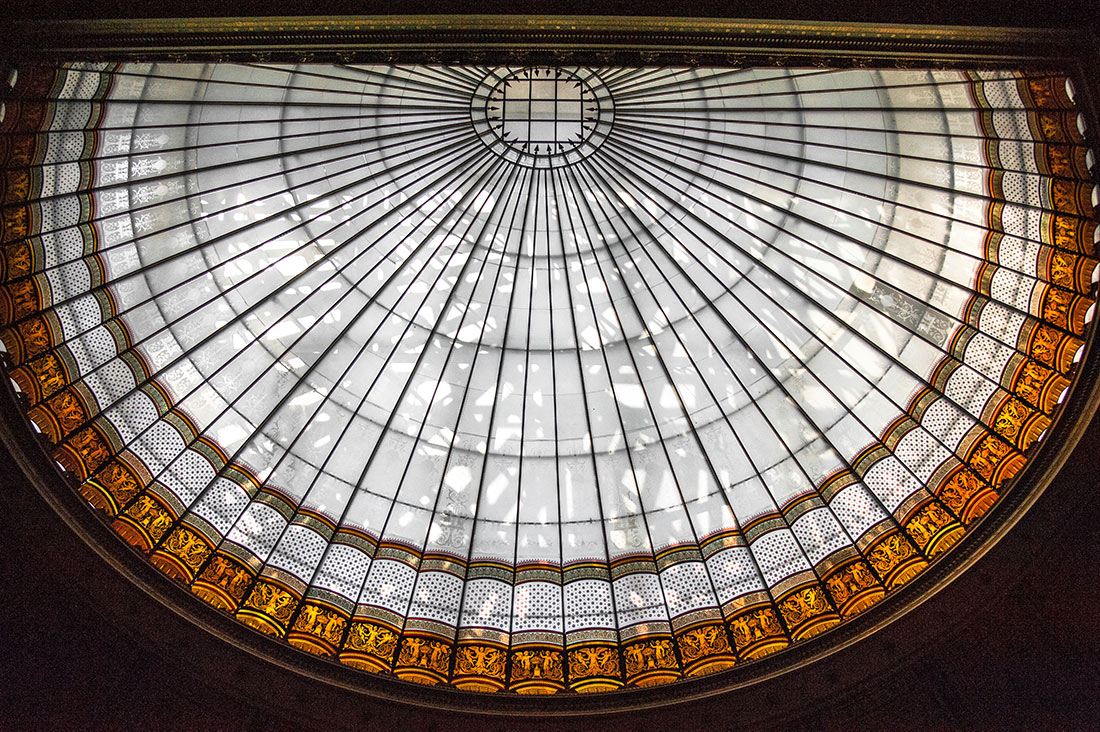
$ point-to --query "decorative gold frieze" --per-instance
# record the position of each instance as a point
(182, 554)
(223, 582)
(594, 668)
(854, 588)
(651, 662)
(369, 647)
(705, 650)
(537, 671)
(895, 560)
(479, 667)
(807, 612)
(934, 530)
(757, 632)
(144, 523)
(318, 629)
(423, 660)
(268, 608)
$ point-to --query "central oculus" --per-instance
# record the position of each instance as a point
(542, 117)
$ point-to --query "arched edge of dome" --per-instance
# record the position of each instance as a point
(347, 684)
(1073, 420)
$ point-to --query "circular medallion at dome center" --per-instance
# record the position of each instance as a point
(542, 117)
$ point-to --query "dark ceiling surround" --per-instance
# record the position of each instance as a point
(56, 564)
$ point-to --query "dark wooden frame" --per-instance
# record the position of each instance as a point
(164, 615)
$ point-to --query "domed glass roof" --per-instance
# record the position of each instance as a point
(543, 379)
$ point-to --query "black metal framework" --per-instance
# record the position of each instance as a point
(627, 167)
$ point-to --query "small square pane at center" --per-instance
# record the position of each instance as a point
(534, 109)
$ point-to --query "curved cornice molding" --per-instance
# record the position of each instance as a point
(607, 39)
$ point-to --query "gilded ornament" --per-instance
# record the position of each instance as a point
(593, 661)
(48, 374)
(372, 639)
(228, 575)
(988, 456)
(964, 493)
(19, 260)
(272, 600)
(756, 626)
(90, 449)
(68, 410)
(536, 664)
(708, 640)
(24, 298)
(479, 660)
(119, 482)
(804, 605)
(649, 656)
(35, 337)
(889, 553)
(321, 622)
(15, 223)
(1031, 382)
(850, 582)
(148, 514)
(188, 546)
(928, 527)
(424, 653)
(958, 490)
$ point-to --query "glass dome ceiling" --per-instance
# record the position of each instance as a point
(542, 379)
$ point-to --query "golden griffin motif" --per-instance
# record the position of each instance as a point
(478, 660)
(372, 639)
(1045, 342)
(271, 600)
(803, 605)
(1010, 418)
(191, 549)
(958, 490)
(708, 640)
(1062, 270)
(593, 661)
(889, 553)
